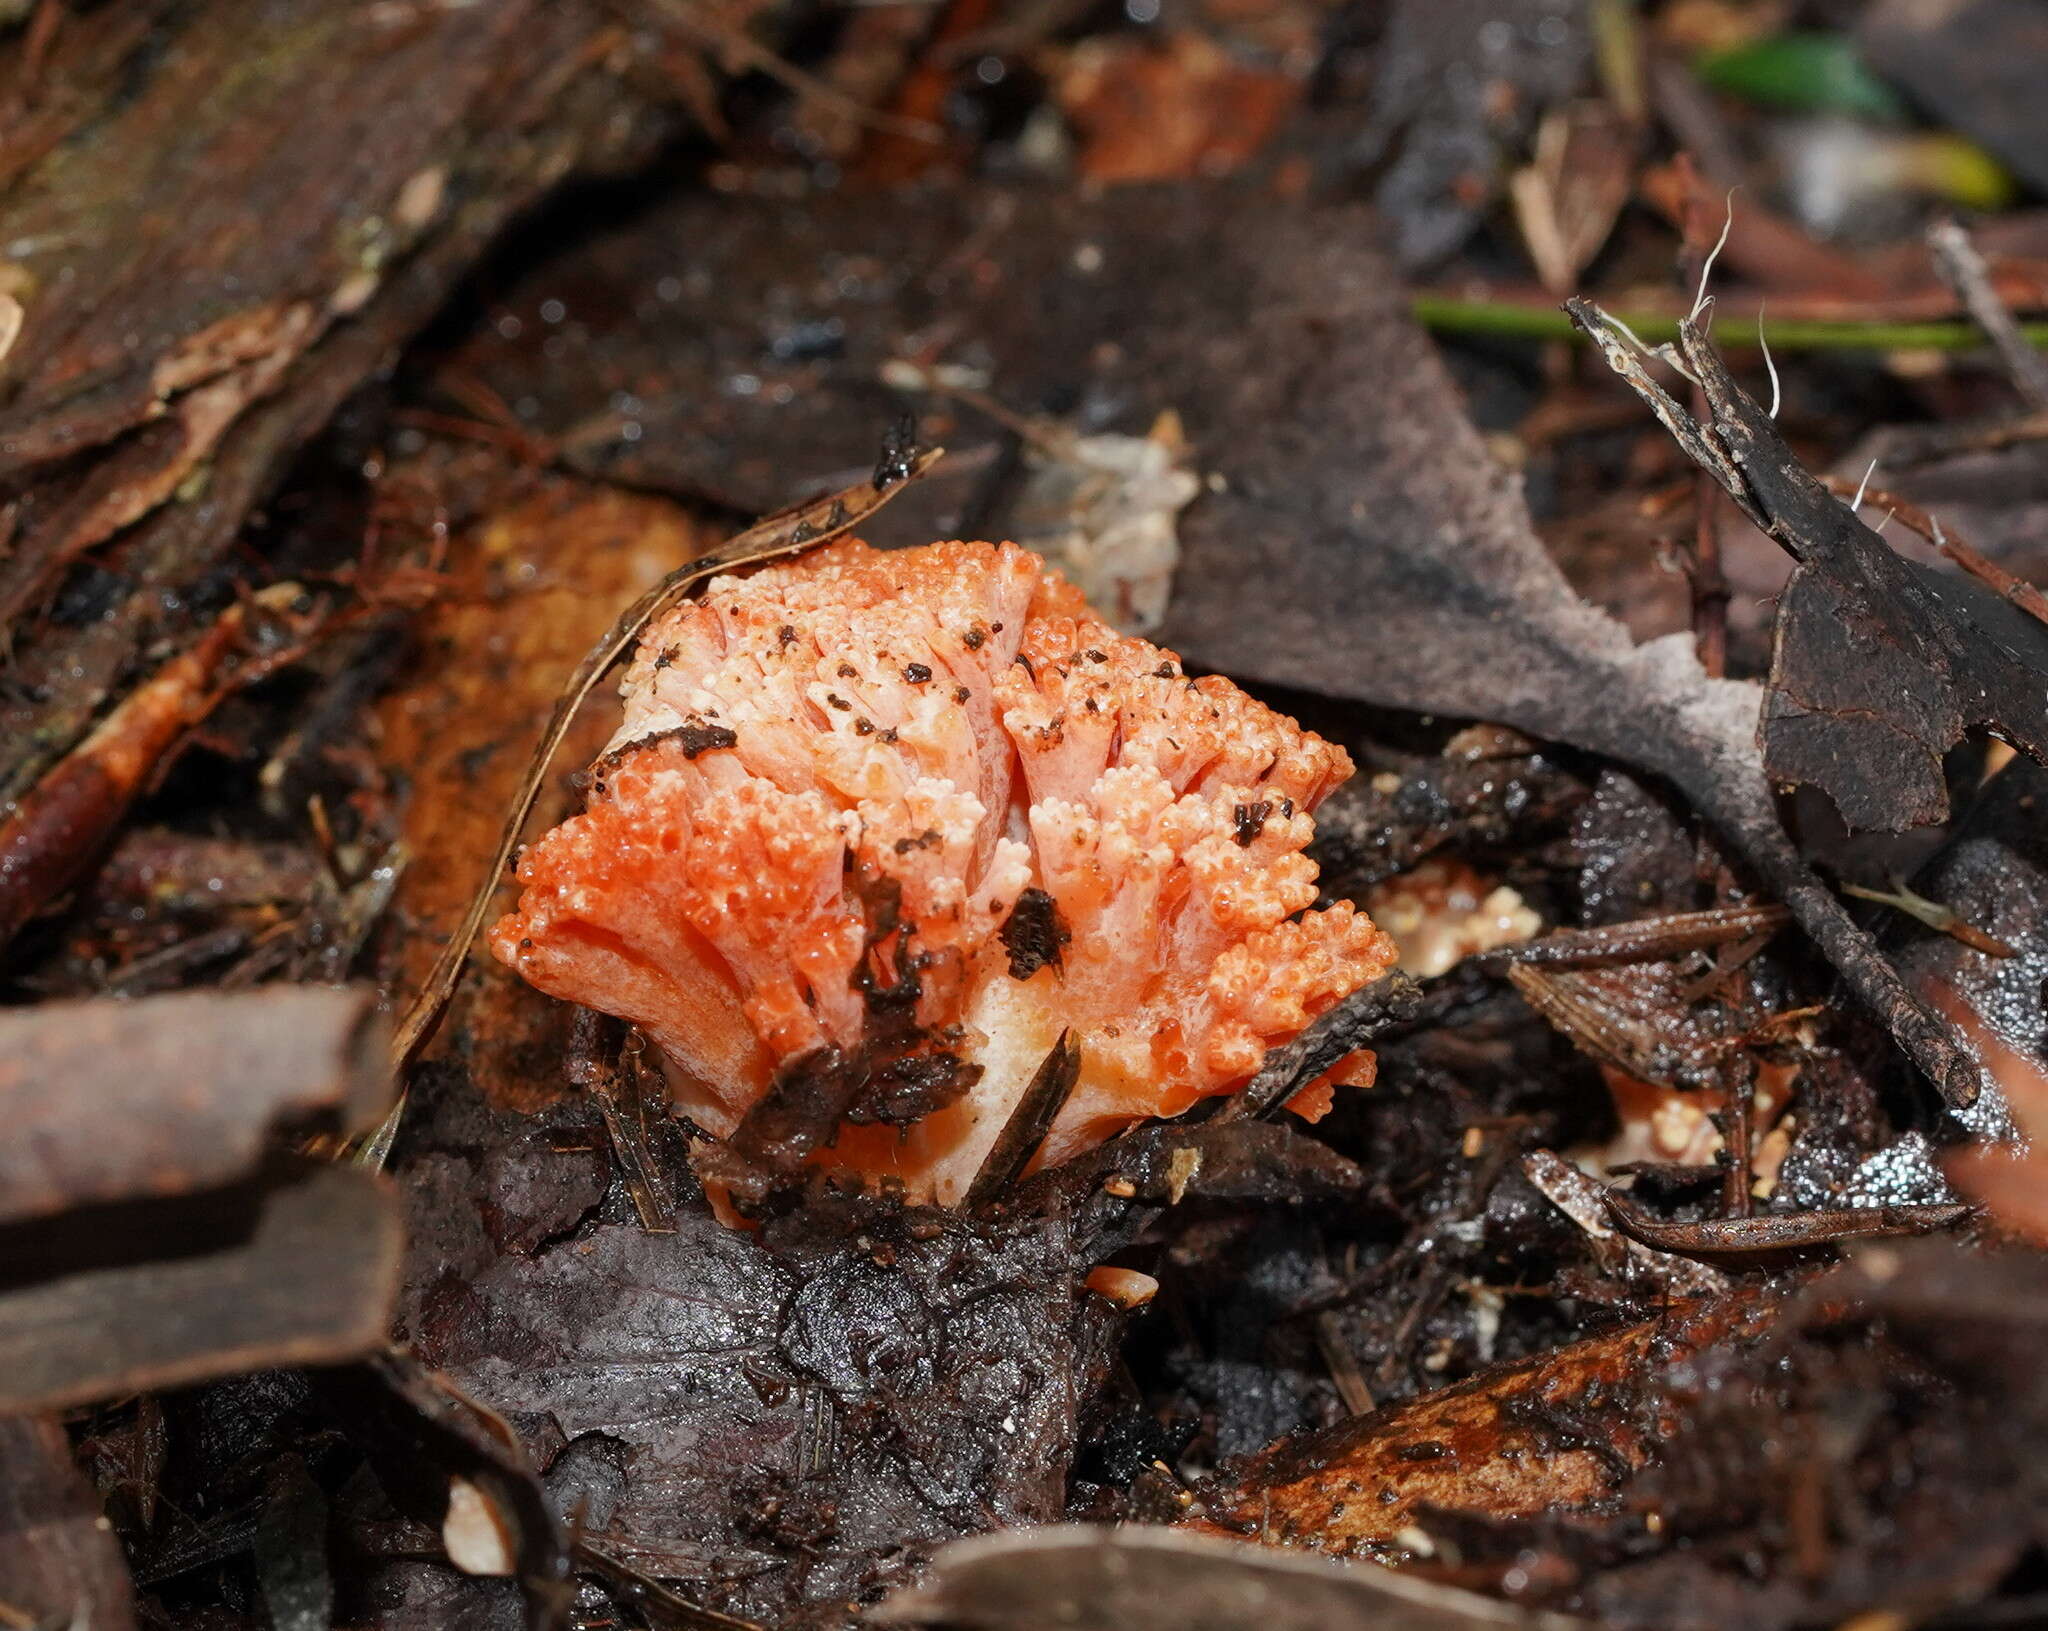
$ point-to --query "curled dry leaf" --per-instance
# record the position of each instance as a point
(1568, 197)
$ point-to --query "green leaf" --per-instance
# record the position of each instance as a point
(1809, 73)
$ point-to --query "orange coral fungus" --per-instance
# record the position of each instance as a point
(878, 827)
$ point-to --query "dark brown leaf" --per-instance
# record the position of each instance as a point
(805, 1411)
(1489, 787)
(1879, 666)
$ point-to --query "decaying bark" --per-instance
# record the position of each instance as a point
(178, 1093)
(225, 216)
(1538, 1436)
(145, 1239)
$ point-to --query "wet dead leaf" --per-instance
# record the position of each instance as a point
(882, 1389)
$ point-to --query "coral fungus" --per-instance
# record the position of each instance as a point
(880, 826)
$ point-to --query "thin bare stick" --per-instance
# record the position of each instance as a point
(1643, 940)
(1962, 268)
(1738, 1076)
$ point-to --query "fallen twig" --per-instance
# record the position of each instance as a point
(64, 820)
(1962, 268)
(1798, 1231)
(1645, 940)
